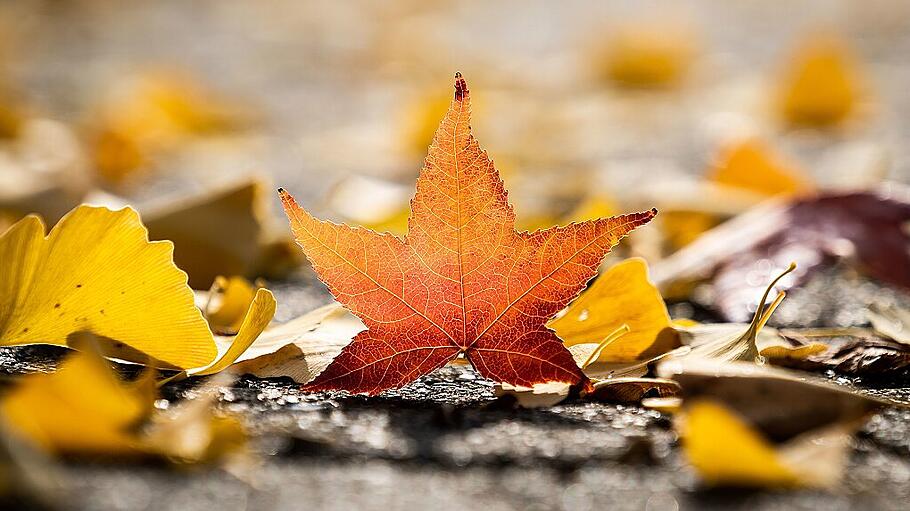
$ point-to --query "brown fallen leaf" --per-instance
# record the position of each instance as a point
(225, 232)
(863, 228)
(858, 354)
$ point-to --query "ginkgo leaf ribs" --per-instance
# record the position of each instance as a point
(462, 280)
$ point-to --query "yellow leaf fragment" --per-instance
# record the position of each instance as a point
(745, 424)
(227, 303)
(751, 165)
(821, 85)
(727, 451)
(257, 318)
(96, 271)
(622, 295)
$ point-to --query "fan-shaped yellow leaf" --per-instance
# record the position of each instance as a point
(622, 295)
(96, 271)
(227, 304)
(648, 55)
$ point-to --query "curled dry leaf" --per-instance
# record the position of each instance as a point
(735, 341)
(891, 322)
(744, 424)
(83, 409)
(622, 295)
(97, 271)
(852, 353)
(227, 302)
(301, 348)
(463, 280)
(864, 228)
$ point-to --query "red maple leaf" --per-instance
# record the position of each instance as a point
(463, 280)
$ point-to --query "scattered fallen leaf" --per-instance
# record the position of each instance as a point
(855, 355)
(864, 228)
(154, 112)
(97, 271)
(622, 295)
(647, 56)
(751, 165)
(633, 390)
(821, 85)
(462, 280)
(744, 424)
(729, 342)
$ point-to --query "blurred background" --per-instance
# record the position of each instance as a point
(194, 111)
(590, 108)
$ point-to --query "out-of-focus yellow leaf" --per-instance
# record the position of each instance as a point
(821, 85)
(726, 451)
(750, 164)
(153, 112)
(683, 227)
(622, 295)
(80, 409)
(647, 56)
(593, 207)
(227, 304)
(744, 424)
(222, 233)
(191, 433)
(83, 409)
(421, 120)
(96, 271)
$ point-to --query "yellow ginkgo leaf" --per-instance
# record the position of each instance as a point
(821, 86)
(622, 295)
(227, 304)
(81, 408)
(751, 165)
(725, 450)
(96, 271)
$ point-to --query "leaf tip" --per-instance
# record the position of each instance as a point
(461, 87)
